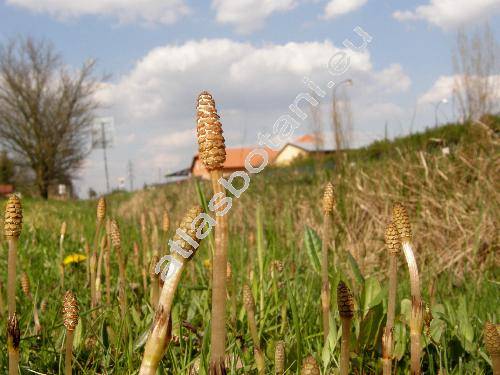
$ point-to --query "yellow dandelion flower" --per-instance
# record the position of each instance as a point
(74, 258)
(207, 263)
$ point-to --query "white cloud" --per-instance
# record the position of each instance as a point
(144, 11)
(336, 8)
(448, 14)
(175, 140)
(249, 15)
(443, 89)
(168, 78)
(252, 85)
(392, 79)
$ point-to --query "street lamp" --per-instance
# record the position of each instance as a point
(337, 125)
(436, 108)
(347, 81)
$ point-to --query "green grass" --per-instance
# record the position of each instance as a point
(278, 218)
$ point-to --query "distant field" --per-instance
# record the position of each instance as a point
(453, 203)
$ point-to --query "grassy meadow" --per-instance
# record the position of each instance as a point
(275, 232)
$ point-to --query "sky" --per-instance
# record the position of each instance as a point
(253, 56)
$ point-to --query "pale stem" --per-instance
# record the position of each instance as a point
(11, 278)
(158, 341)
(344, 349)
(416, 316)
(325, 282)
(218, 324)
(61, 259)
(13, 357)
(68, 357)
(98, 289)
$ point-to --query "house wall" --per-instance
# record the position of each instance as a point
(288, 154)
(199, 170)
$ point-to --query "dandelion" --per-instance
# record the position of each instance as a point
(74, 258)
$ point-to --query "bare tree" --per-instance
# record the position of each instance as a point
(341, 122)
(45, 110)
(316, 125)
(475, 61)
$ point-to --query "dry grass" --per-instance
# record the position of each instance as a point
(453, 206)
(453, 202)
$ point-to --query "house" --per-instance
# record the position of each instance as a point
(300, 147)
(6, 189)
(235, 161)
(235, 157)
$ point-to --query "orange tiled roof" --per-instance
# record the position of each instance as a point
(307, 138)
(235, 157)
(6, 189)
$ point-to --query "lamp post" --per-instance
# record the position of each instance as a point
(347, 81)
(337, 126)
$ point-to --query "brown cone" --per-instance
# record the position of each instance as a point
(70, 311)
(165, 225)
(492, 338)
(13, 331)
(13, 222)
(345, 301)
(401, 220)
(277, 265)
(101, 209)
(310, 366)
(211, 145)
(248, 300)
(152, 266)
(25, 284)
(116, 238)
(328, 199)
(229, 272)
(43, 306)
(185, 226)
(279, 357)
(392, 240)
(63, 228)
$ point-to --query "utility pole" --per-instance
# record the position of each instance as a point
(102, 137)
(130, 168)
(104, 146)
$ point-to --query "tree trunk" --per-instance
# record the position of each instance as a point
(43, 188)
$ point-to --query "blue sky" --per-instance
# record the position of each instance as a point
(252, 56)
